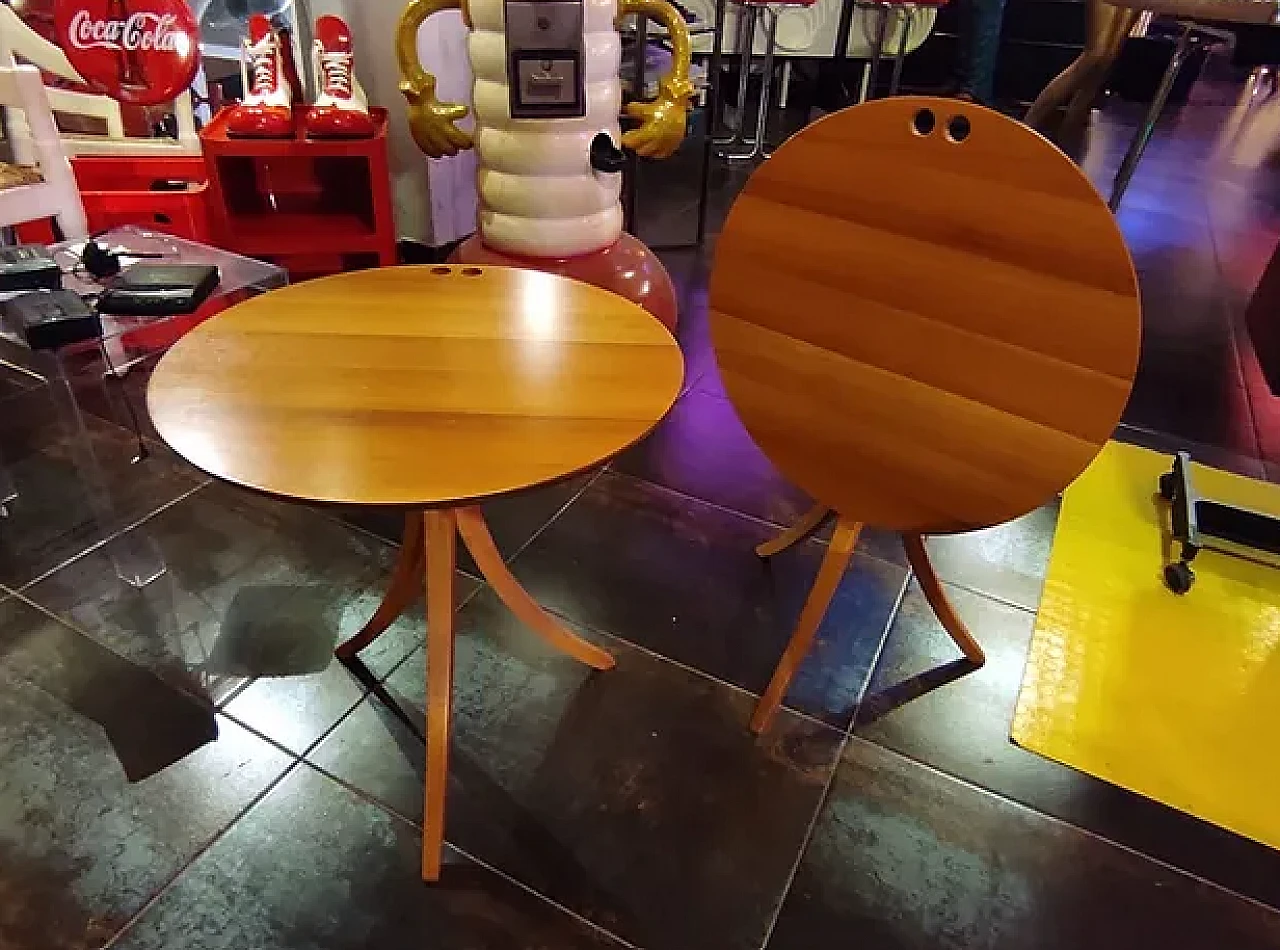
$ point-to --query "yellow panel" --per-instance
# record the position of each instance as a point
(1176, 698)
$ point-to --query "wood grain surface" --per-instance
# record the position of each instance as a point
(415, 385)
(925, 334)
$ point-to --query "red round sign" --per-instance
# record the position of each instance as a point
(142, 52)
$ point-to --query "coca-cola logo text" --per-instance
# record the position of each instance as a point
(141, 31)
(143, 52)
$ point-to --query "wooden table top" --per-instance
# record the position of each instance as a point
(415, 385)
(925, 334)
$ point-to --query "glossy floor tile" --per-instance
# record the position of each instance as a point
(906, 857)
(57, 514)
(1007, 562)
(927, 702)
(254, 588)
(313, 865)
(636, 797)
(681, 578)
(110, 783)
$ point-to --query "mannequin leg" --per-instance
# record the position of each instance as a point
(1081, 82)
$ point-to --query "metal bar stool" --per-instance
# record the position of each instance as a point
(749, 16)
(1192, 35)
(905, 13)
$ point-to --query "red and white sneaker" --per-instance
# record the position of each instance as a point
(266, 110)
(341, 108)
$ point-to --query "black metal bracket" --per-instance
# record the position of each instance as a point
(1198, 522)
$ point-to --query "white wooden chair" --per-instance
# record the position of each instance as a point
(56, 196)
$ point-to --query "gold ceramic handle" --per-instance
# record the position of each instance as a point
(431, 121)
(662, 122)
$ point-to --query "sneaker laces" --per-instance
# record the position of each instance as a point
(337, 71)
(261, 57)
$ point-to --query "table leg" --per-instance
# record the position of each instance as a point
(918, 558)
(404, 589)
(824, 587)
(806, 526)
(475, 535)
(133, 552)
(440, 547)
(430, 536)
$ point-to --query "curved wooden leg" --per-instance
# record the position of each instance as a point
(918, 557)
(441, 551)
(815, 608)
(807, 524)
(475, 535)
(405, 587)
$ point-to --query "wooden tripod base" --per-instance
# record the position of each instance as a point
(834, 562)
(429, 551)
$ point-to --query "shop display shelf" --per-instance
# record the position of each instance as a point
(298, 200)
(273, 234)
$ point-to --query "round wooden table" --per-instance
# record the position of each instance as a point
(927, 318)
(431, 388)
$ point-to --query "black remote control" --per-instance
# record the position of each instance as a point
(50, 320)
(28, 267)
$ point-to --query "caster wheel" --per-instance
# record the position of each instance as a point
(1167, 485)
(1179, 577)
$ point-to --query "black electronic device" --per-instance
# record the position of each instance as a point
(102, 261)
(158, 290)
(51, 319)
(28, 267)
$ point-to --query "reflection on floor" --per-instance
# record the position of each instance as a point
(183, 765)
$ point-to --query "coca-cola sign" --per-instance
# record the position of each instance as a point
(137, 51)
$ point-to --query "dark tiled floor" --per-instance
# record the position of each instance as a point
(906, 857)
(52, 520)
(622, 796)
(111, 783)
(313, 865)
(681, 578)
(183, 765)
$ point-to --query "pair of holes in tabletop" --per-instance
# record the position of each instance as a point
(958, 127)
(465, 271)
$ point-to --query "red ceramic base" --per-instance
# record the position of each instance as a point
(260, 122)
(338, 123)
(627, 268)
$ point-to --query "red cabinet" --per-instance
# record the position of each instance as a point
(313, 206)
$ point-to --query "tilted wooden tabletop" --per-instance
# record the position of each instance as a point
(927, 335)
